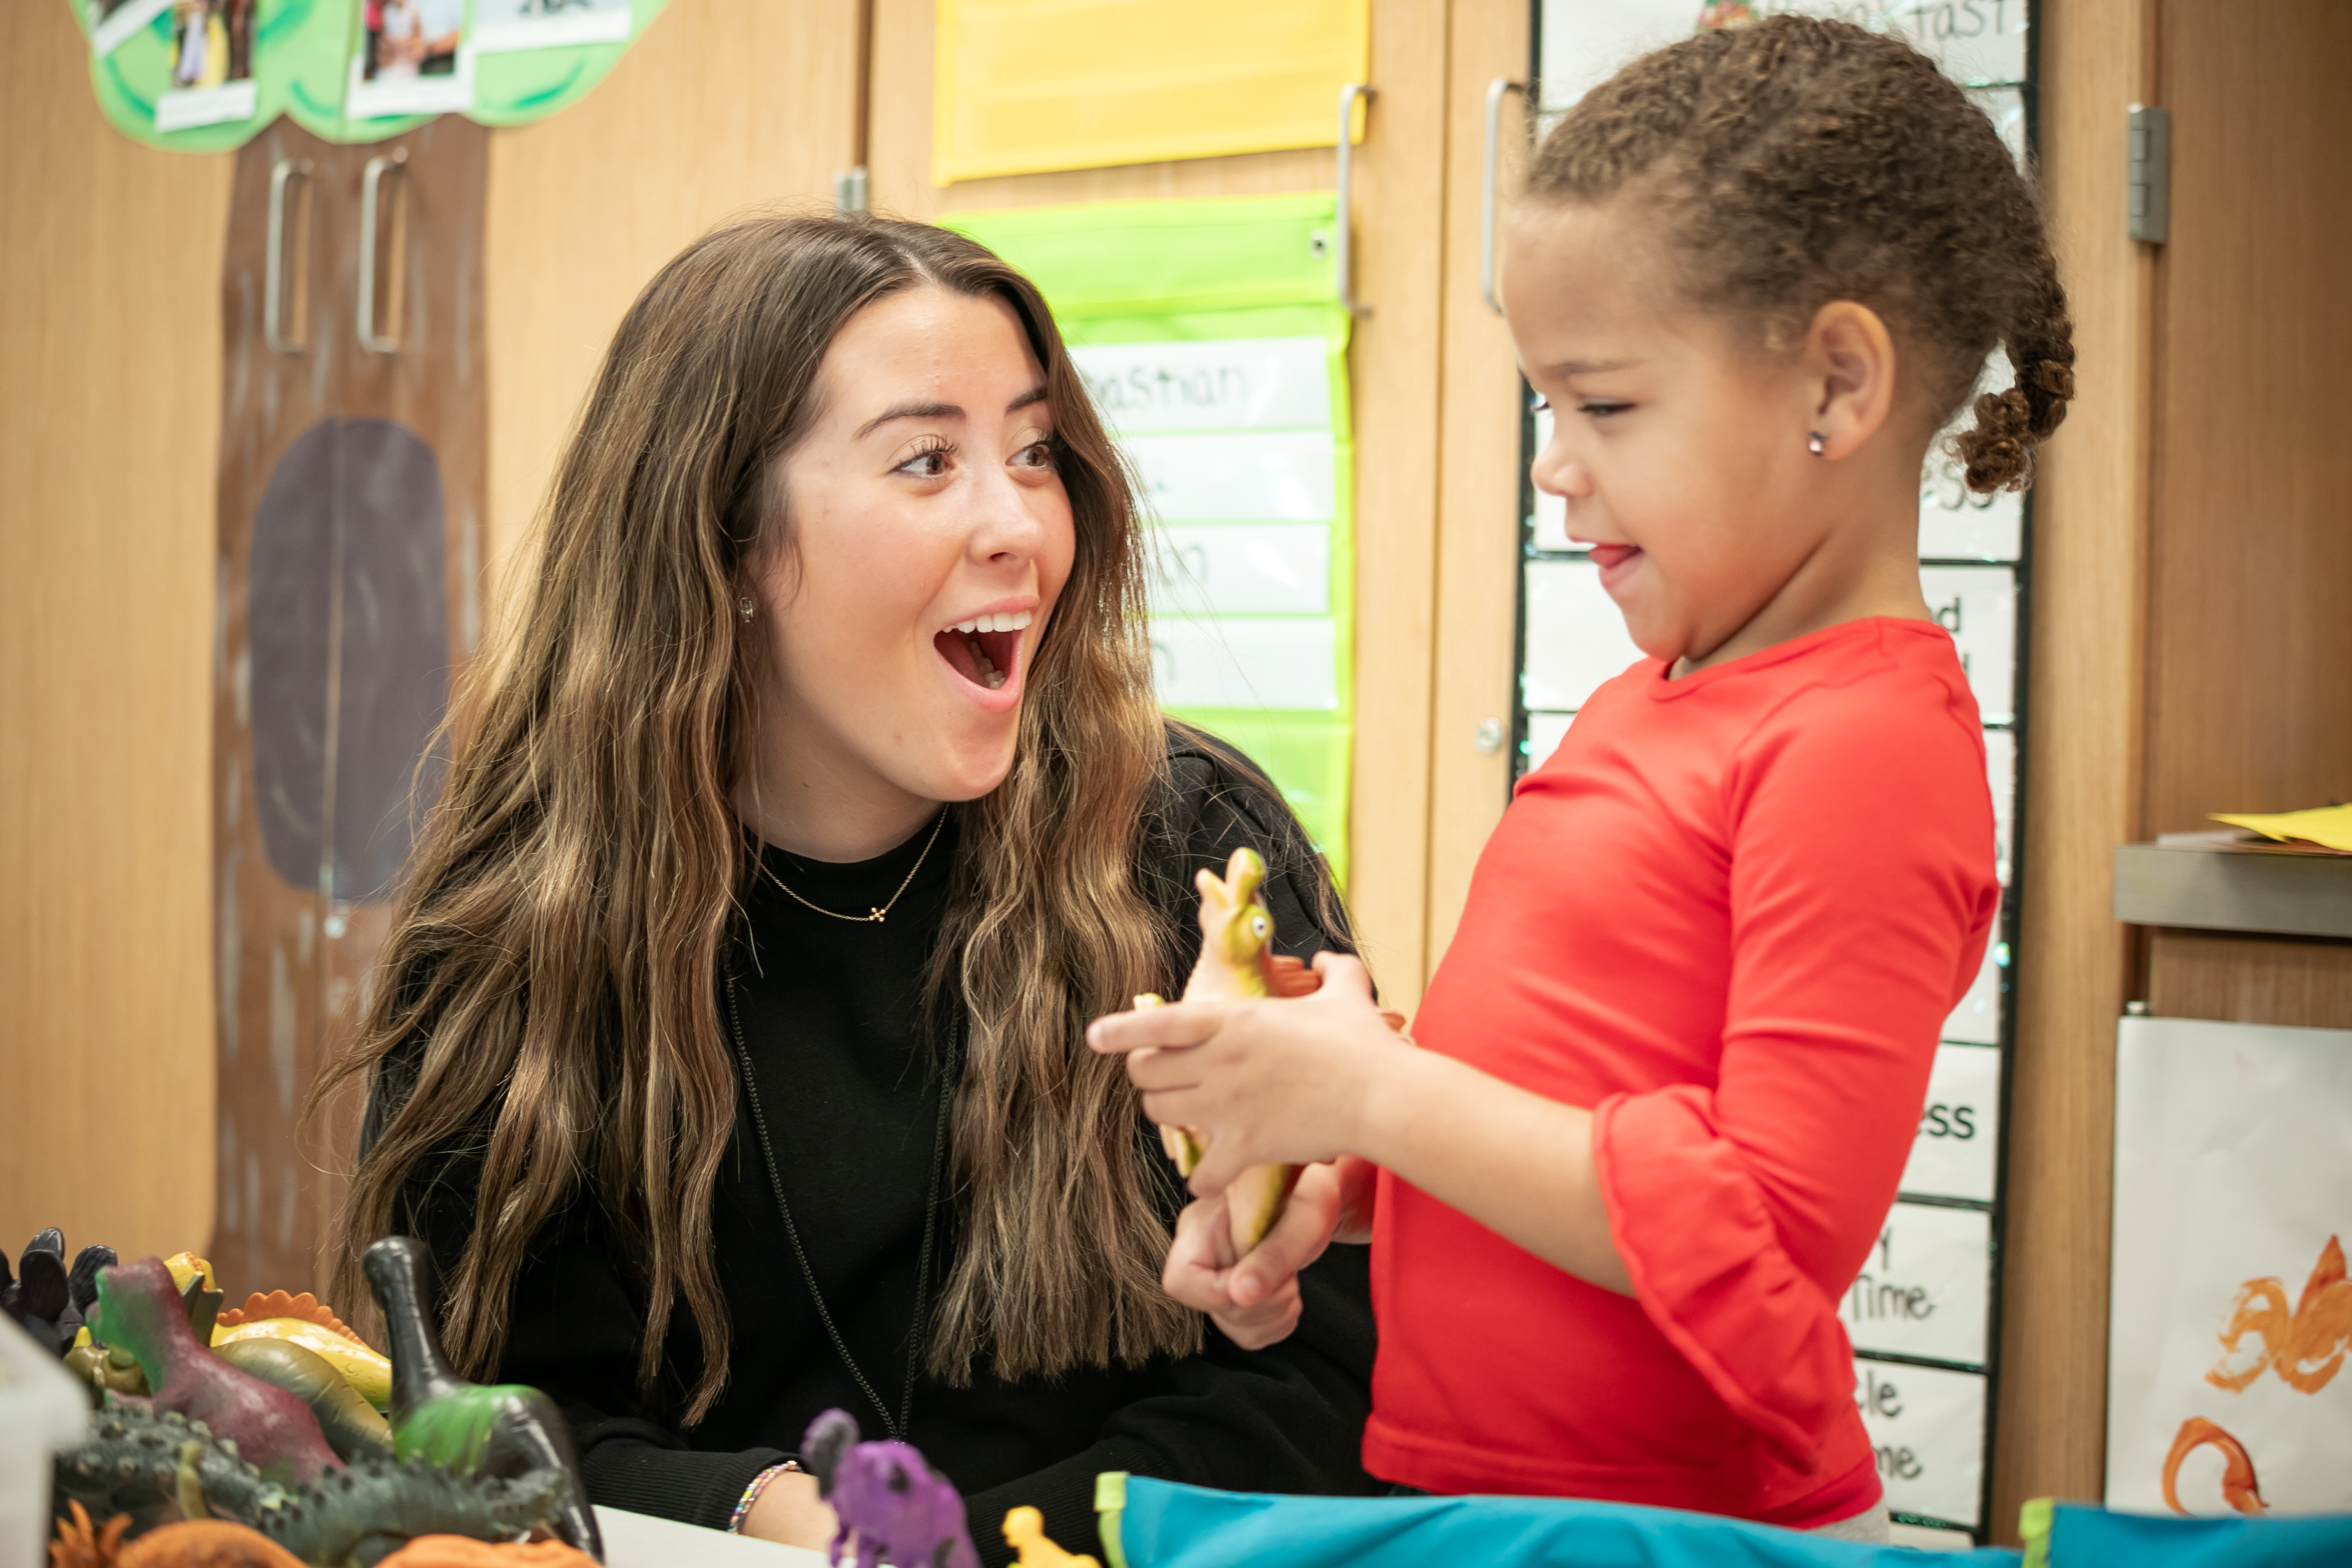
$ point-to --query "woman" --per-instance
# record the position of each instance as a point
(727, 1050)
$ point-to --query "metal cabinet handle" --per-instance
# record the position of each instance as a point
(273, 265)
(1343, 244)
(1499, 89)
(370, 183)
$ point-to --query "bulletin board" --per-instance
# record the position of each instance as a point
(1023, 85)
(1212, 339)
(205, 75)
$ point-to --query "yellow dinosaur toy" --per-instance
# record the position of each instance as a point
(1024, 1531)
(1237, 959)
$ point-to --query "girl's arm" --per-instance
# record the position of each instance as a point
(1322, 1076)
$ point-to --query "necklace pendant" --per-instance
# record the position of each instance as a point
(878, 916)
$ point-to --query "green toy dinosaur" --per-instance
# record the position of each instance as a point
(505, 1430)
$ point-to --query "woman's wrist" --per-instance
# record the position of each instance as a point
(750, 1497)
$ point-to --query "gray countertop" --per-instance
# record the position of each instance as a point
(2209, 887)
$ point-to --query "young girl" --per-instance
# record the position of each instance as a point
(1670, 1067)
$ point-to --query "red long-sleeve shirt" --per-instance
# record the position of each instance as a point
(1730, 915)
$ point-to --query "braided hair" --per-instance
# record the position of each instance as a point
(1798, 162)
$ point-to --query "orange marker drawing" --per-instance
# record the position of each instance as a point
(2306, 1346)
(2237, 1486)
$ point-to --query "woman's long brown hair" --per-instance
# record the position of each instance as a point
(558, 943)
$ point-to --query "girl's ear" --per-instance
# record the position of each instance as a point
(1852, 353)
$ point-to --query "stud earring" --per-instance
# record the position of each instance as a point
(743, 609)
(1815, 444)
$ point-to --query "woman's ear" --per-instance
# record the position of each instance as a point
(1851, 353)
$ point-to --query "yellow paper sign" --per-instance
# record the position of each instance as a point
(1023, 85)
(2328, 825)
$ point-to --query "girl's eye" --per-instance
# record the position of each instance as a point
(1036, 455)
(1542, 404)
(1600, 410)
(931, 463)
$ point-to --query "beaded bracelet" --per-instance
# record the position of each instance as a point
(752, 1494)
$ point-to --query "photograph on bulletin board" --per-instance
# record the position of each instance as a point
(410, 56)
(504, 25)
(212, 65)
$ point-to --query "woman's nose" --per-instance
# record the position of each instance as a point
(1005, 527)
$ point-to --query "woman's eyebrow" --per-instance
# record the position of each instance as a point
(940, 411)
(908, 410)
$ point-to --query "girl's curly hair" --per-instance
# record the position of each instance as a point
(1800, 161)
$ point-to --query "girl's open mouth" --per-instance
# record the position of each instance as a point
(985, 650)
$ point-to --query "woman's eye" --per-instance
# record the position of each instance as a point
(1599, 409)
(931, 463)
(1542, 404)
(1036, 455)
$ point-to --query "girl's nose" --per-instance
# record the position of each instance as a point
(1556, 473)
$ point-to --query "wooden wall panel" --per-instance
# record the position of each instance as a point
(2250, 979)
(110, 388)
(1478, 485)
(720, 108)
(2249, 530)
(1401, 173)
(2081, 778)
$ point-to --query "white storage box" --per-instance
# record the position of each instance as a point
(42, 1409)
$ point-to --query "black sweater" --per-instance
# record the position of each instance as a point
(831, 1018)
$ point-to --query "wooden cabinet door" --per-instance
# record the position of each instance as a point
(351, 495)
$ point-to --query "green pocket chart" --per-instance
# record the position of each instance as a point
(207, 88)
(1216, 348)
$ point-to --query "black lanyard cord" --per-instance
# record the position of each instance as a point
(895, 1429)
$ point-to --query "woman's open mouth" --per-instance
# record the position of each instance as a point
(985, 650)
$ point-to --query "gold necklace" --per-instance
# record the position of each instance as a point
(872, 916)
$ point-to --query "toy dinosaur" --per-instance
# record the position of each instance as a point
(139, 1310)
(1024, 1531)
(464, 1552)
(105, 1367)
(348, 1422)
(505, 1429)
(136, 1463)
(352, 1518)
(369, 1375)
(43, 1297)
(900, 1511)
(1237, 960)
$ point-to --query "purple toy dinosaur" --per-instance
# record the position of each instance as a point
(904, 1513)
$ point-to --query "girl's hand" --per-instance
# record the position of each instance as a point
(1265, 1082)
(1255, 1301)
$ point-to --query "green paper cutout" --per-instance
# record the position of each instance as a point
(302, 52)
(1201, 270)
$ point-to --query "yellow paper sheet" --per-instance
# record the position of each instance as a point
(2327, 825)
(1023, 85)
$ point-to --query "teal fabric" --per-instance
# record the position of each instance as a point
(2082, 1537)
(1170, 1526)
(1165, 1525)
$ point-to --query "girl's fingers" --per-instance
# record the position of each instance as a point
(1178, 1024)
(1343, 973)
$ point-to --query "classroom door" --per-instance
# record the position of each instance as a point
(350, 497)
